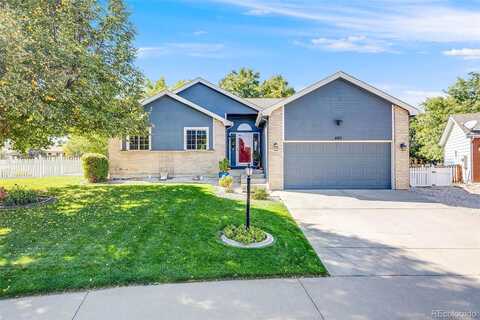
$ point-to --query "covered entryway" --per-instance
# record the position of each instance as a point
(337, 165)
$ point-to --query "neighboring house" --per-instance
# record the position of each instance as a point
(52, 152)
(338, 133)
(461, 144)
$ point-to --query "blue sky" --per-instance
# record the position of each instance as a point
(411, 49)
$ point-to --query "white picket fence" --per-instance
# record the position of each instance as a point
(427, 176)
(42, 167)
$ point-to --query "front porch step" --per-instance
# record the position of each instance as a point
(255, 179)
(241, 172)
(253, 186)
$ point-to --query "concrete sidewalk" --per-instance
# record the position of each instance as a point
(315, 298)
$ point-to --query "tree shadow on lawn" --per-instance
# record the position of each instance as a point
(108, 235)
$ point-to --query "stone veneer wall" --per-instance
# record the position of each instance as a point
(144, 163)
(275, 156)
(402, 158)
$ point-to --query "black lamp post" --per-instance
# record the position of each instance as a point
(248, 171)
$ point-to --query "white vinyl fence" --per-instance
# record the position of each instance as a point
(427, 176)
(43, 167)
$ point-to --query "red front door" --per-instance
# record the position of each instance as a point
(244, 148)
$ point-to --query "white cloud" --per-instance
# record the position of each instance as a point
(414, 96)
(428, 21)
(192, 49)
(258, 12)
(360, 44)
(425, 93)
(417, 97)
(143, 52)
(465, 53)
(199, 33)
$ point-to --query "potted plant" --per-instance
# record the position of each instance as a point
(223, 168)
(257, 159)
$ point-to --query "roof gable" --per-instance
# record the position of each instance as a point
(219, 90)
(186, 102)
(342, 75)
(460, 120)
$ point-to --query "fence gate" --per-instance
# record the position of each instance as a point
(427, 176)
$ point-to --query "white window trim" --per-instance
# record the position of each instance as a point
(127, 145)
(150, 138)
(244, 127)
(185, 129)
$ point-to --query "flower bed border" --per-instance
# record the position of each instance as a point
(42, 201)
(269, 240)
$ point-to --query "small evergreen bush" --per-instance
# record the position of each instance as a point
(95, 167)
(3, 193)
(241, 234)
(226, 182)
(260, 194)
(18, 196)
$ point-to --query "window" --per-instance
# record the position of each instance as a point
(244, 127)
(196, 138)
(139, 142)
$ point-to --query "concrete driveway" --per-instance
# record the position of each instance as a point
(391, 254)
(385, 232)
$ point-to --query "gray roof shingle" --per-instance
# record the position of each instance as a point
(461, 119)
(264, 103)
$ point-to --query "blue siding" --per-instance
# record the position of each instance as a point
(214, 101)
(364, 116)
(168, 118)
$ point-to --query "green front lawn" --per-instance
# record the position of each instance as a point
(104, 235)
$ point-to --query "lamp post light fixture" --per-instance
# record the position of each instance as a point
(248, 172)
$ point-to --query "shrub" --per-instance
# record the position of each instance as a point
(241, 234)
(3, 193)
(95, 167)
(20, 196)
(226, 182)
(260, 194)
(223, 165)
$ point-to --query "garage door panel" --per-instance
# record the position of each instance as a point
(337, 165)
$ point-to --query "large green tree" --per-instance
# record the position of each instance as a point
(244, 83)
(152, 88)
(78, 145)
(276, 87)
(67, 67)
(426, 129)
